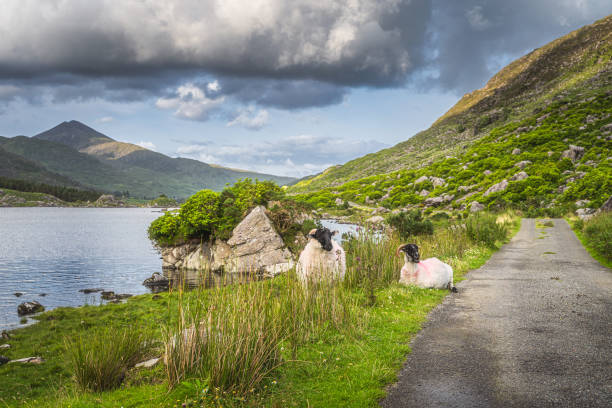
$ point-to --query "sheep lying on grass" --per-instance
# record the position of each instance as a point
(322, 258)
(430, 273)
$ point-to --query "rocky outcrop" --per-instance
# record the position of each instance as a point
(495, 188)
(573, 153)
(254, 246)
(476, 206)
(522, 164)
(521, 175)
(436, 201)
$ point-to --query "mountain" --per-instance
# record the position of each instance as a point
(539, 134)
(528, 83)
(75, 154)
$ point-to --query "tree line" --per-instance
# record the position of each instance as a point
(69, 194)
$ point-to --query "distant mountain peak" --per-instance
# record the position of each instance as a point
(74, 134)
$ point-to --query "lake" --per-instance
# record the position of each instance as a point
(57, 251)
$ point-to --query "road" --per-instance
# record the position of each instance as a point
(531, 328)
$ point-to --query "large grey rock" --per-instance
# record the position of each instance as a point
(573, 153)
(522, 164)
(421, 179)
(424, 193)
(436, 201)
(338, 201)
(254, 246)
(476, 206)
(585, 213)
(27, 308)
(516, 151)
(581, 203)
(495, 188)
(521, 175)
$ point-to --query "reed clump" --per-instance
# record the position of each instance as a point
(233, 336)
(100, 360)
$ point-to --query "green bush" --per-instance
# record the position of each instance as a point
(485, 229)
(410, 223)
(100, 361)
(165, 229)
(598, 233)
(207, 214)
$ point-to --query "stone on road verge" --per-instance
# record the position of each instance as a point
(531, 328)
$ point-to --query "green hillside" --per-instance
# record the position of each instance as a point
(17, 167)
(565, 66)
(75, 154)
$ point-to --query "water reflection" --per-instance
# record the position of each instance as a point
(191, 279)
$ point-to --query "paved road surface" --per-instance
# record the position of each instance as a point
(528, 329)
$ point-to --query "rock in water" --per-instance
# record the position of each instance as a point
(157, 282)
(27, 308)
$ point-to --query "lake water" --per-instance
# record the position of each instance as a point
(57, 251)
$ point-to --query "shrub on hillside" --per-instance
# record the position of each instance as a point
(410, 223)
(485, 229)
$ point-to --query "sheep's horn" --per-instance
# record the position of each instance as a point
(399, 248)
(312, 231)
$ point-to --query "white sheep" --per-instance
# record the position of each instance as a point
(430, 273)
(322, 258)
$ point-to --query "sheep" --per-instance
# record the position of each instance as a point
(430, 273)
(322, 257)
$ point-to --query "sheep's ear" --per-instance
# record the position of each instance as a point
(312, 232)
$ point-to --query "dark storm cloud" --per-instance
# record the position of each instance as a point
(273, 53)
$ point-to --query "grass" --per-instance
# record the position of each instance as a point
(270, 343)
(596, 236)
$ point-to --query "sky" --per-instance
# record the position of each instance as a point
(281, 87)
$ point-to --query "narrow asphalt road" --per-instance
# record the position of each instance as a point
(531, 328)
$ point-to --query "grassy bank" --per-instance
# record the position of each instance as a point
(270, 343)
(596, 236)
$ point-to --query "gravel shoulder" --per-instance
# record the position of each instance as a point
(531, 328)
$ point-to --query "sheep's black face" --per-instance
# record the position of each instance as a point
(412, 251)
(324, 236)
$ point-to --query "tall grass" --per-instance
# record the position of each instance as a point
(235, 337)
(485, 229)
(598, 233)
(232, 336)
(101, 359)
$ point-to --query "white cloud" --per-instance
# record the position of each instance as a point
(147, 145)
(191, 102)
(105, 119)
(251, 119)
(298, 156)
(476, 19)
